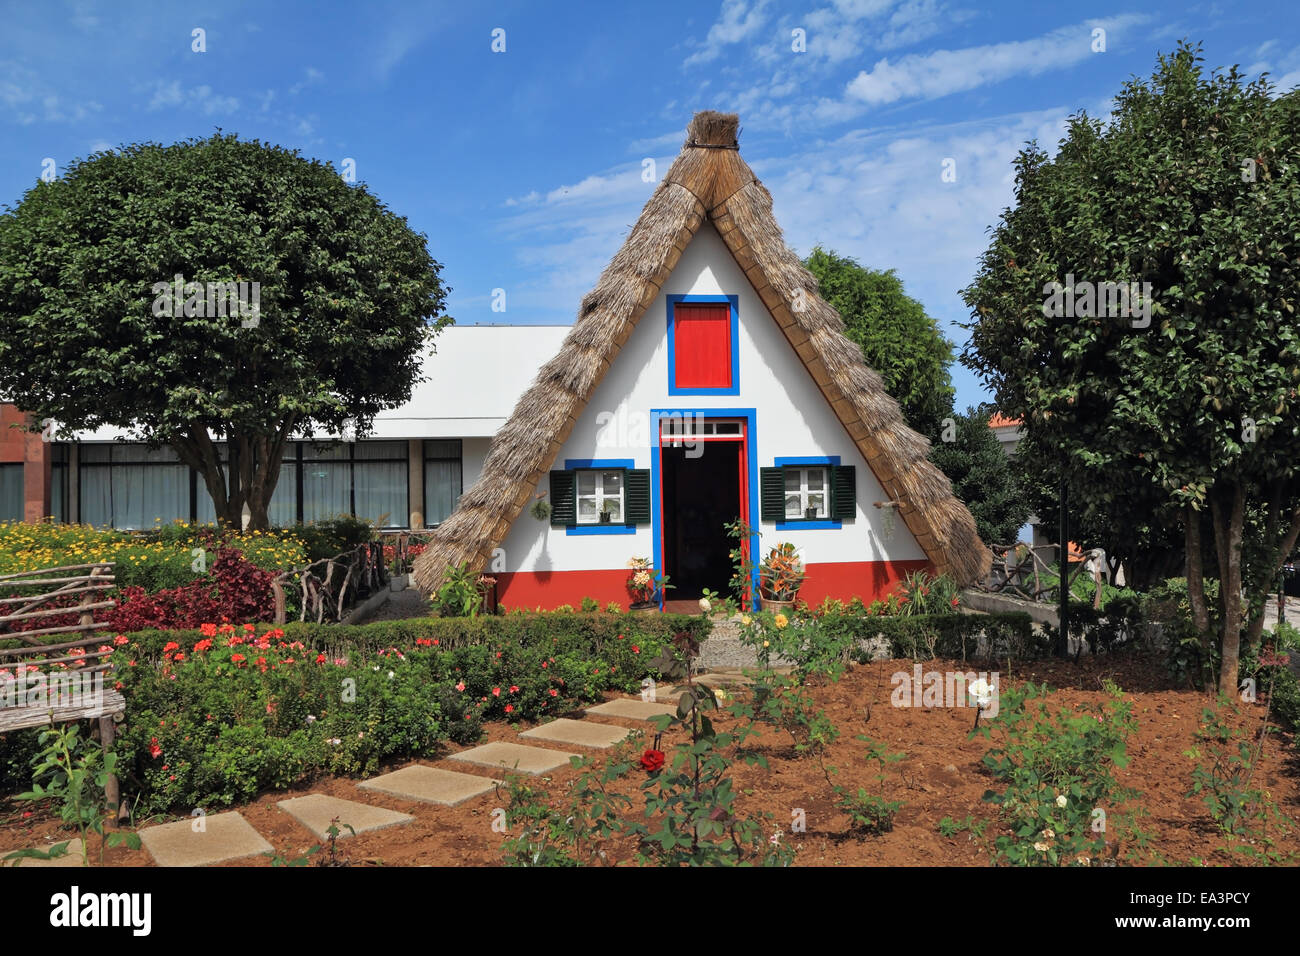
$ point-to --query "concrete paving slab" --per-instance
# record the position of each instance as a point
(579, 733)
(518, 757)
(71, 858)
(430, 785)
(315, 811)
(633, 709)
(202, 841)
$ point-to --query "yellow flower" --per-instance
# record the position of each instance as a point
(765, 643)
(745, 620)
(781, 621)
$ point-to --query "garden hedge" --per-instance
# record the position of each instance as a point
(217, 715)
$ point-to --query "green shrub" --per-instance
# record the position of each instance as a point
(216, 715)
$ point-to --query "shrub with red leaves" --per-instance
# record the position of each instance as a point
(234, 590)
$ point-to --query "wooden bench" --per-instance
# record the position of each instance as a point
(60, 694)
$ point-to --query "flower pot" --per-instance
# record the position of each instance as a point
(604, 517)
(810, 513)
(777, 606)
(651, 607)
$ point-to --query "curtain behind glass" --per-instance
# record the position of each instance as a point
(441, 490)
(326, 481)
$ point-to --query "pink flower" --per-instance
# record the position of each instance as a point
(496, 691)
(461, 687)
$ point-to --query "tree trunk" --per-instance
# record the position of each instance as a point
(249, 477)
(1228, 538)
(1196, 575)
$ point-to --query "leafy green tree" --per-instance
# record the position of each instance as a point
(93, 333)
(972, 458)
(898, 339)
(1188, 399)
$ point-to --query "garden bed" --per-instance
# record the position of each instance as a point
(941, 776)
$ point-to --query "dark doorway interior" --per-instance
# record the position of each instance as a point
(700, 495)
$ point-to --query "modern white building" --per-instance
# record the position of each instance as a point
(407, 473)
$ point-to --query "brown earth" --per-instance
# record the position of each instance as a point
(940, 776)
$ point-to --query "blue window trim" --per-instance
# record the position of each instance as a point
(734, 301)
(584, 464)
(750, 416)
(829, 524)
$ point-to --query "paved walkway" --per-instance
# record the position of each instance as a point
(470, 774)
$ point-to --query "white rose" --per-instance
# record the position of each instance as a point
(1040, 847)
(705, 605)
(1061, 801)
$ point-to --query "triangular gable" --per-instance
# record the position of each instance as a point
(707, 181)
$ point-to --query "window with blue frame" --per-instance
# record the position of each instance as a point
(600, 496)
(703, 345)
(810, 492)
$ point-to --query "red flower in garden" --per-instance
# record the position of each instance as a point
(953, 602)
(514, 688)
(171, 646)
(234, 642)
(203, 645)
(237, 659)
(652, 760)
(165, 767)
(496, 691)
(543, 665)
(554, 692)
(461, 687)
(249, 628)
(121, 639)
(620, 637)
(179, 657)
(208, 630)
(154, 750)
(510, 708)
(320, 658)
(635, 649)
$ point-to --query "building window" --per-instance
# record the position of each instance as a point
(59, 482)
(805, 492)
(585, 490)
(443, 479)
(11, 492)
(600, 493)
(380, 491)
(132, 486)
(703, 345)
(808, 493)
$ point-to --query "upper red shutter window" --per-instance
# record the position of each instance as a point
(702, 346)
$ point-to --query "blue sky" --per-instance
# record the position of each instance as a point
(524, 167)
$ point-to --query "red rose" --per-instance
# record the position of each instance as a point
(652, 760)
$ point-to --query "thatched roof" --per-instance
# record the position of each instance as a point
(707, 182)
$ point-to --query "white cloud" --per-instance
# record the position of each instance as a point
(310, 77)
(737, 22)
(942, 72)
(201, 98)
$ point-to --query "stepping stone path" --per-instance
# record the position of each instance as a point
(71, 858)
(633, 709)
(316, 812)
(580, 733)
(532, 760)
(228, 836)
(430, 785)
(203, 840)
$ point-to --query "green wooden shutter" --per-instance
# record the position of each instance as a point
(636, 489)
(844, 491)
(771, 484)
(564, 510)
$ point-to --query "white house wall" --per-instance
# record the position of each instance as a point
(793, 418)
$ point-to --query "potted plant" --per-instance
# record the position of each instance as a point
(606, 509)
(810, 513)
(780, 576)
(645, 585)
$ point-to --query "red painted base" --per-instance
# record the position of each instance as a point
(868, 580)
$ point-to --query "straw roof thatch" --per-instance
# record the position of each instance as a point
(707, 182)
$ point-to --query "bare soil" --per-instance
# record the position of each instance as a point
(940, 776)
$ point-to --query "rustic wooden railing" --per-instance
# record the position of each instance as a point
(328, 587)
(56, 680)
(1015, 564)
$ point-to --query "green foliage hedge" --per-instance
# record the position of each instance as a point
(1009, 634)
(216, 716)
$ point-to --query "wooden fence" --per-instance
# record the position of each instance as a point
(326, 588)
(58, 680)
